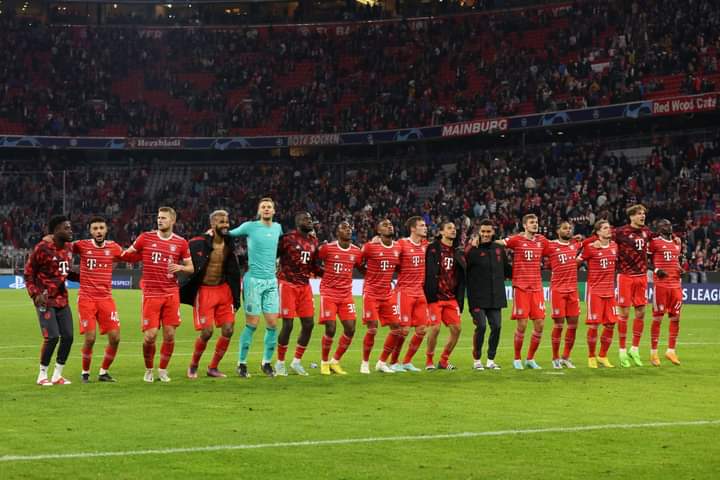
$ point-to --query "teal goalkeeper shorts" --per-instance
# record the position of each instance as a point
(260, 295)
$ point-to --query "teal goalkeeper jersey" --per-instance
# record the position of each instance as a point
(262, 241)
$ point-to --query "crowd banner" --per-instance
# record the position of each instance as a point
(681, 105)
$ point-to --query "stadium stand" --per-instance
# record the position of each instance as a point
(132, 81)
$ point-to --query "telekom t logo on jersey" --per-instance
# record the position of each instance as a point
(91, 263)
(667, 255)
(156, 257)
(384, 265)
(448, 263)
(64, 267)
(337, 267)
(604, 262)
(528, 255)
(562, 258)
(639, 244)
(416, 261)
(304, 256)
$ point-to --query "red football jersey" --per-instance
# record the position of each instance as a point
(601, 269)
(411, 277)
(157, 254)
(527, 260)
(298, 258)
(336, 283)
(381, 262)
(447, 282)
(632, 246)
(96, 265)
(563, 265)
(666, 256)
(46, 270)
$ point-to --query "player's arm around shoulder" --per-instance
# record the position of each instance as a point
(243, 230)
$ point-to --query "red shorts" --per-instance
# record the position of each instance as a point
(413, 309)
(331, 308)
(296, 300)
(631, 290)
(600, 310)
(528, 304)
(160, 311)
(213, 306)
(446, 311)
(565, 304)
(103, 312)
(667, 300)
(384, 309)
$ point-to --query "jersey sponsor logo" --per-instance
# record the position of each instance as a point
(416, 260)
(304, 256)
(91, 263)
(64, 267)
(449, 263)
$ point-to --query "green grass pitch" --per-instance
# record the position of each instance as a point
(653, 423)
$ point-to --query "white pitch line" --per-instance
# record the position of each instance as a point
(348, 441)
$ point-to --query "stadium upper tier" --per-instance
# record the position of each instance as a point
(355, 76)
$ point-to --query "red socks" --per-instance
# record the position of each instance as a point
(592, 340)
(109, 357)
(534, 344)
(606, 339)
(674, 330)
(368, 343)
(166, 351)
(281, 351)
(389, 346)
(445, 357)
(655, 334)
(299, 351)
(343, 345)
(622, 331)
(569, 339)
(200, 346)
(414, 346)
(220, 348)
(149, 354)
(638, 327)
(326, 346)
(518, 343)
(86, 358)
(556, 338)
(398, 348)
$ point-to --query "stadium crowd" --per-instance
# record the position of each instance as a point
(64, 81)
(678, 180)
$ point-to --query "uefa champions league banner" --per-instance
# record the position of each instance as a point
(491, 126)
(17, 282)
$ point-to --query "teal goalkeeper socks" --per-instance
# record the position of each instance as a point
(270, 341)
(245, 341)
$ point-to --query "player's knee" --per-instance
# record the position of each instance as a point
(372, 331)
(67, 339)
(330, 329)
(349, 330)
(455, 330)
(52, 341)
(227, 330)
(307, 326)
(404, 331)
(206, 334)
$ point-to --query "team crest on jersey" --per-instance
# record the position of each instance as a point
(107, 253)
(84, 323)
(173, 248)
(352, 258)
(556, 311)
(612, 251)
(538, 244)
(203, 320)
(286, 311)
(519, 311)
(146, 321)
(593, 316)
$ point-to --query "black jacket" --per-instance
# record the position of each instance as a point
(200, 249)
(487, 269)
(432, 274)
